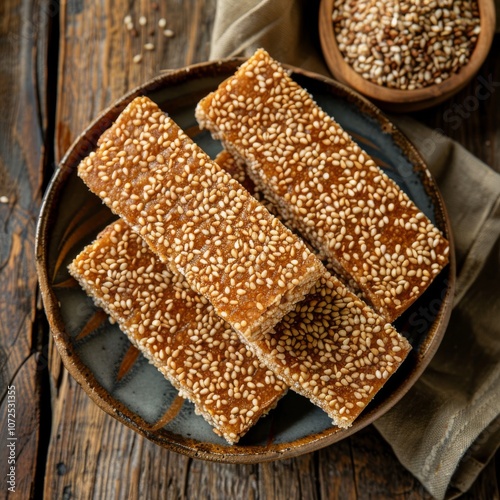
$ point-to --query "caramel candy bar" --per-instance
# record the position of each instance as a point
(333, 349)
(198, 219)
(236, 169)
(178, 331)
(324, 185)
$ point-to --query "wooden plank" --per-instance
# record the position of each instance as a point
(19, 431)
(97, 50)
(378, 473)
(294, 478)
(336, 475)
(487, 485)
(94, 456)
(212, 480)
(90, 454)
(23, 42)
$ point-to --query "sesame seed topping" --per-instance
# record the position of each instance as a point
(326, 188)
(200, 354)
(187, 203)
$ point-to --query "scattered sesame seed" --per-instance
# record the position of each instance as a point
(137, 58)
(149, 46)
(143, 21)
(4, 199)
(162, 23)
(168, 33)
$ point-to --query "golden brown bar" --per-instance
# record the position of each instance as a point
(178, 331)
(199, 220)
(324, 185)
(236, 167)
(333, 349)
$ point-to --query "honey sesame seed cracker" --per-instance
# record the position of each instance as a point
(324, 185)
(199, 220)
(333, 349)
(236, 167)
(178, 331)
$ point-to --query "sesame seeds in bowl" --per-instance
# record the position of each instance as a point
(406, 55)
(130, 389)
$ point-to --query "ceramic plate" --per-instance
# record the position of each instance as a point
(120, 380)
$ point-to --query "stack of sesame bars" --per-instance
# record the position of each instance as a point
(227, 302)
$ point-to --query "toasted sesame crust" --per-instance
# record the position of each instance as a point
(236, 167)
(324, 185)
(333, 349)
(194, 216)
(178, 331)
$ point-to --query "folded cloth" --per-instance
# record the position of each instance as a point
(447, 427)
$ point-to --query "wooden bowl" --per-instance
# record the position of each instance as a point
(405, 100)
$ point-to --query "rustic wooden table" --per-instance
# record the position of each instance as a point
(62, 62)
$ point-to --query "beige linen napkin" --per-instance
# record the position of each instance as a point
(448, 426)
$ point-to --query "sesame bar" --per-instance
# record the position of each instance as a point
(324, 185)
(333, 349)
(237, 169)
(199, 220)
(177, 331)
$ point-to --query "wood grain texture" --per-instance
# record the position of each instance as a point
(22, 159)
(370, 453)
(94, 456)
(97, 51)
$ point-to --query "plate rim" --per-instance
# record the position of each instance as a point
(167, 439)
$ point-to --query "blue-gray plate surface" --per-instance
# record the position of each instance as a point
(121, 382)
